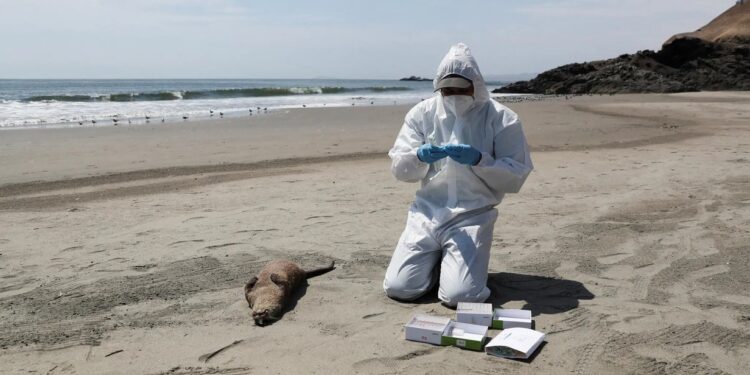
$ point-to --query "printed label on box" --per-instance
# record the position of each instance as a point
(426, 328)
(466, 336)
(515, 343)
(474, 313)
(511, 318)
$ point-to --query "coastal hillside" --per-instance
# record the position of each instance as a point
(732, 26)
(714, 57)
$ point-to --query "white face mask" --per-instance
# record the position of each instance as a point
(458, 104)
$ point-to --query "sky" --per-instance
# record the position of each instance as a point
(381, 39)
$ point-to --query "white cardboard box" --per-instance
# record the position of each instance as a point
(474, 313)
(511, 318)
(515, 343)
(465, 335)
(426, 328)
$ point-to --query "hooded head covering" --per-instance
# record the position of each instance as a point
(459, 61)
(447, 128)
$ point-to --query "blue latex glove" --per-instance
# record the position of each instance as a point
(463, 154)
(430, 153)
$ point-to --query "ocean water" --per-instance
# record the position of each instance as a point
(71, 103)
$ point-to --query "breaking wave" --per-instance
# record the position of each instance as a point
(210, 94)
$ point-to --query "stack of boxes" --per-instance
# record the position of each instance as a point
(469, 330)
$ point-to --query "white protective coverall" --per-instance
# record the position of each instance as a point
(453, 216)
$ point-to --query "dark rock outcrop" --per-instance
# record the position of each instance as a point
(716, 57)
(414, 78)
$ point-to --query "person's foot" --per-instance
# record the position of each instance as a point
(447, 305)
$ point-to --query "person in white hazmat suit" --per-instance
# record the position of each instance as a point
(468, 151)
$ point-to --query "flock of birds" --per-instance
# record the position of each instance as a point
(116, 119)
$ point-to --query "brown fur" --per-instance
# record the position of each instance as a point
(268, 293)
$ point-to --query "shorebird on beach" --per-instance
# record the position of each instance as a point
(210, 112)
(162, 119)
(221, 114)
(115, 120)
(185, 117)
(93, 121)
(80, 122)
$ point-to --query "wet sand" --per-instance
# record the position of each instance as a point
(125, 249)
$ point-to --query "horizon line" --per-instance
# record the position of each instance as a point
(241, 78)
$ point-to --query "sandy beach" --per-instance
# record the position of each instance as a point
(124, 250)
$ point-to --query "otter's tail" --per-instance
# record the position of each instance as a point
(319, 271)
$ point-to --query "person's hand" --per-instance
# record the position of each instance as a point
(463, 154)
(430, 153)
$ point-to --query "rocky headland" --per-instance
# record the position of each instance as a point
(715, 57)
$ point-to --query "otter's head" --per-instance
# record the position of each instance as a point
(267, 306)
(266, 301)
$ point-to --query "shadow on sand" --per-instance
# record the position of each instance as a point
(543, 295)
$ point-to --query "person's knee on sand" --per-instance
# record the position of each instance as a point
(451, 295)
(401, 288)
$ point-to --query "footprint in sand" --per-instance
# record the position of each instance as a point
(193, 218)
(184, 241)
(145, 233)
(71, 248)
(390, 364)
(212, 247)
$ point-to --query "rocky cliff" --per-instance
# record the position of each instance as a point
(714, 57)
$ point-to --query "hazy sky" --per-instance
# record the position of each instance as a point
(309, 39)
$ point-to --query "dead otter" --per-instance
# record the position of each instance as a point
(267, 293)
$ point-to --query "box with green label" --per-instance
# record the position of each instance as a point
(444, 331)
(465, 336)
(511, 318)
